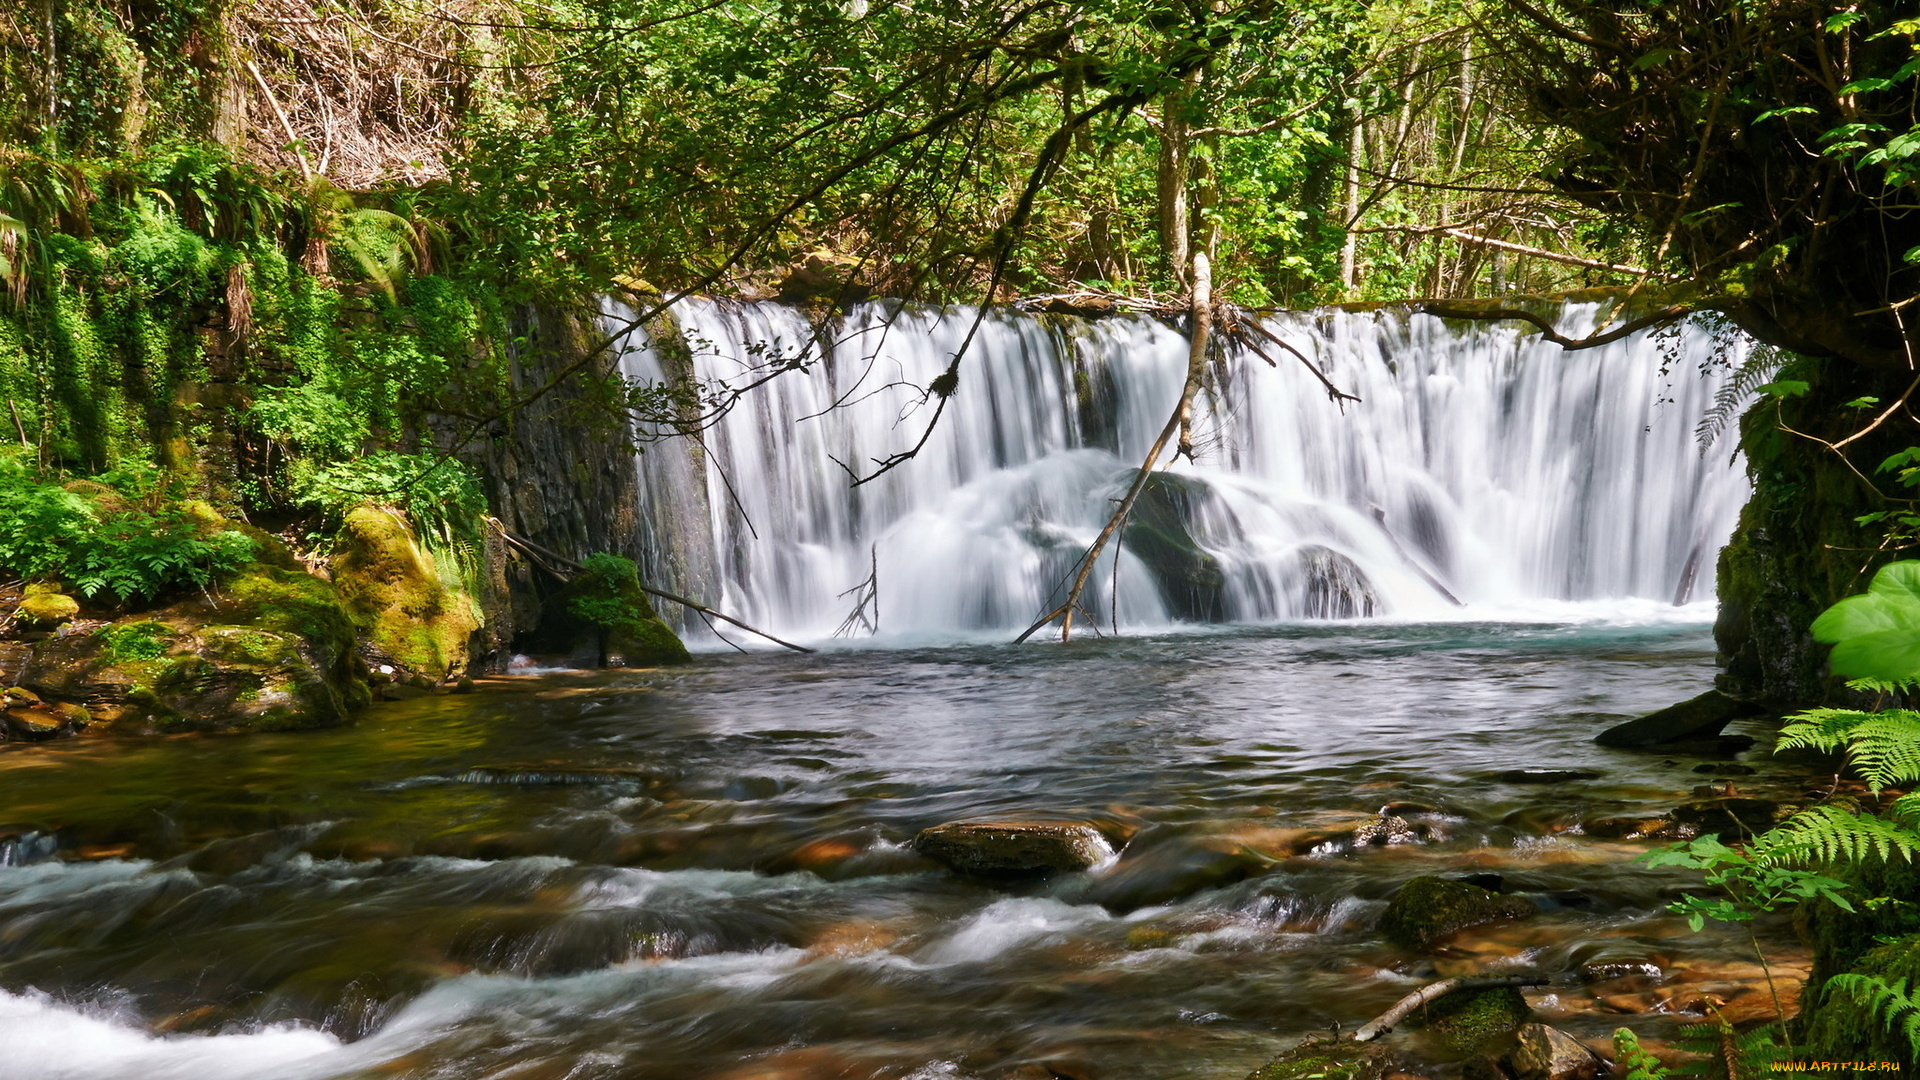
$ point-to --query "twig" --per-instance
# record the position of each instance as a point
(1450, 310)
(1383, 1023)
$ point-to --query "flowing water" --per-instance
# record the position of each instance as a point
(1481, 463)
(705, 873)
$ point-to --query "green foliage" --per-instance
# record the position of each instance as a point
(1884, 747)
(601, 595)
(1877, 635)
(1748, 882)
(1889, 1003)
(123, 549)
(1636, 1062)
(134, 642)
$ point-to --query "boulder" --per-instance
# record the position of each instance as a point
(1696, 718)
(1160, 533)
(1545, 776)
(1332, 586)
(400, 602)
(1427, 909)
(992, 848)
(1547, 1053)
(1160, 865)
(36, 723)
(1468, 1021)
(45, 606)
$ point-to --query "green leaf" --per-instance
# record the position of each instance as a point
(1784, 388)
(1866, 86)
(1837, 23)
(1862, 403)
(1790, 110)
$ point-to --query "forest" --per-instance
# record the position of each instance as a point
(413, 386)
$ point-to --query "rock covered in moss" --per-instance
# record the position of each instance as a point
(274, 649)
(1331, 1059)
(1014, 847)
(1427, 909)
(400, 602)
(45, 605)
(604, 618)
(1470, 1021)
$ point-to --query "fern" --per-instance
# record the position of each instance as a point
(1755, 371)
(1637, 1061)
(1884, 747)
(1729, 1054)
(1894, 1004)
(1831, 834)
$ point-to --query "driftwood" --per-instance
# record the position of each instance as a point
(1432, 992)
(536, 550)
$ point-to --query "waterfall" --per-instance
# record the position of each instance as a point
(1484, 474)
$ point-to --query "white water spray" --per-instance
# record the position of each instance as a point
(1482, 463)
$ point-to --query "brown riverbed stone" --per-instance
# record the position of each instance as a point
(1014, 847)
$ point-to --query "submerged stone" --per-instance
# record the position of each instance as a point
(1157, 869)
(1014, 847)
(1427, 909)
(1695, 718)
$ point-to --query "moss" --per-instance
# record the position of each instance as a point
(1330, 1059)
(397, 597)
(1880, 939)
(1428, 908)
(1472, 1021)
(1842, 1026)
(605, 601)
(47, 608)
(133, 642)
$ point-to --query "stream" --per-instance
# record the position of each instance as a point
(703, 873)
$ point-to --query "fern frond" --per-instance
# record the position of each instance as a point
(1893, 1004)
(1637, 1061)
(1825, 730)
(1906, 811)
(1829, 834)
(1729, 1054)
(1730, 400)
(1886, 748)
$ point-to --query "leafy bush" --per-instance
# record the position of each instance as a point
(116, 548)
(601, 595)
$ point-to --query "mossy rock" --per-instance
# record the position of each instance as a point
(604, 617)
(47, 608)
(1331, 1059)
(396, 597)
(1427, 909)
(1159, 532)
(1473, 1021)
(1842, 1026)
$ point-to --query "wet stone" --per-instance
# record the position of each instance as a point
(1698, 718)
(1473, 1020)
(1331, 1059)
(1014, 847)
(1546, 776)
(1383, 829)
(1427, 909)
(1547, 1053)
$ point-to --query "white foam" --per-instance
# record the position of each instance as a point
(46, 1040)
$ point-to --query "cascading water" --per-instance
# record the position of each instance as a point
(1482, 464)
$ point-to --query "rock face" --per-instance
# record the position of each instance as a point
(1427, 909)
(991, 848)
(1547, 1053)
(1696, 718)
(402, 608)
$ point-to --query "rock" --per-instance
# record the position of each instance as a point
(1427, 909)
(1724, 768)
(1625, 828)
(36, 723)
(400, 603)
(1385, 829)
(1165, 864)
(19, 695)
(1475, 1020)
(1014, 847)
(1728, 818)
(1546, 776)
(1547, 1053)
(1160, 533)
(1332, 586)
(43, 606)
(1331, 1059)
(1696, 718)
(624, 630)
